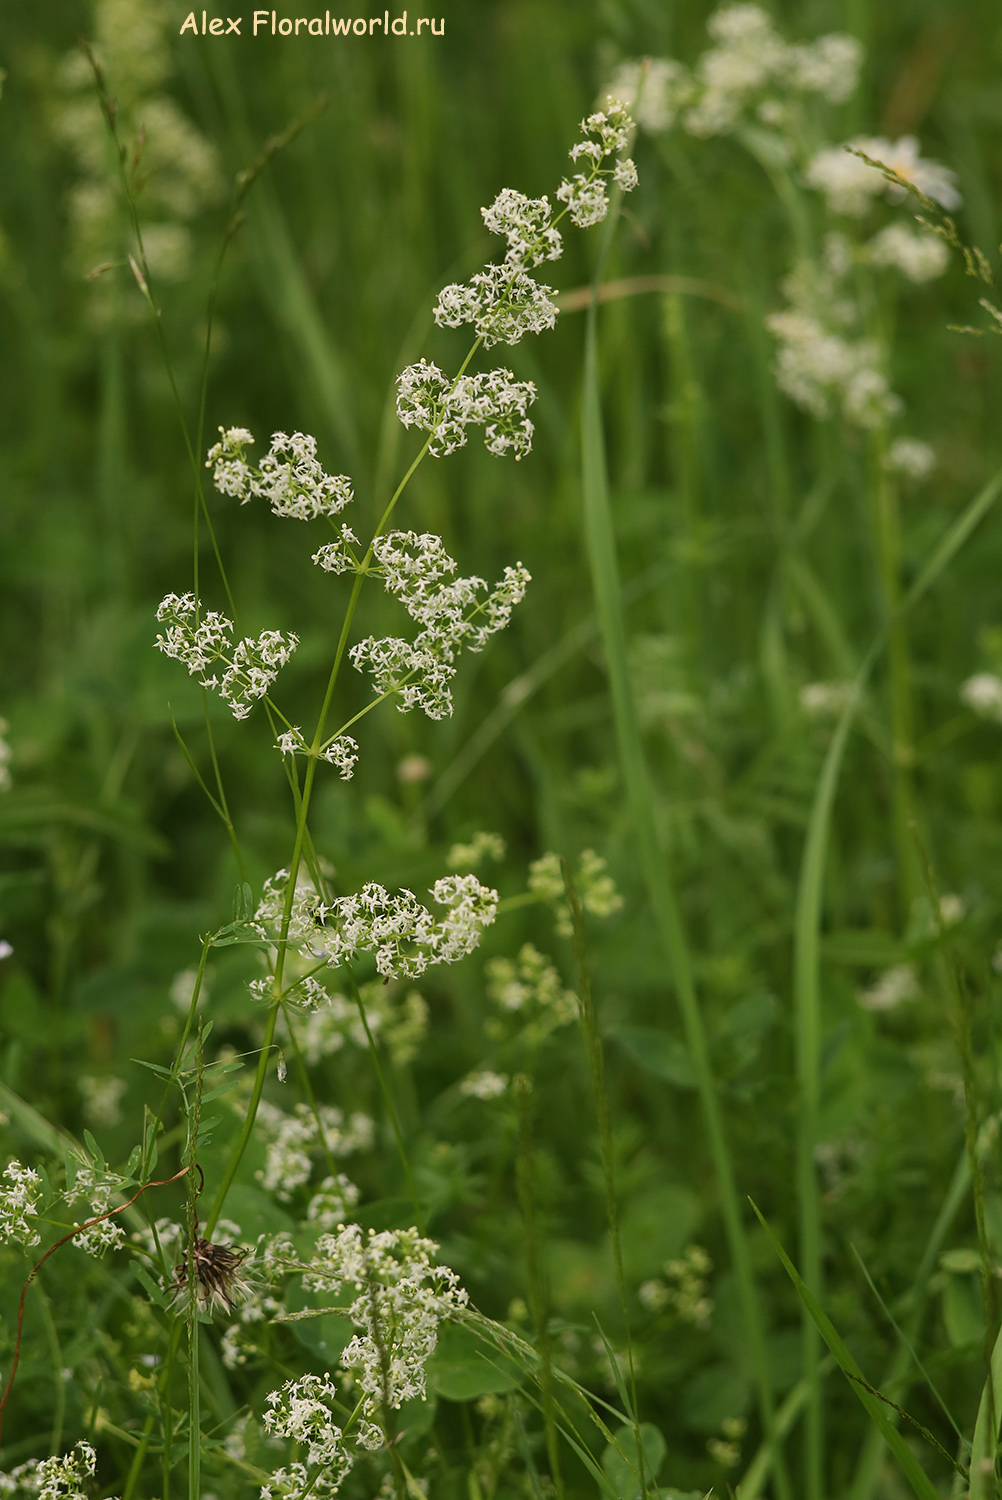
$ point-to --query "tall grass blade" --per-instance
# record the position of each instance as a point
(601, 543)
(915, 1474)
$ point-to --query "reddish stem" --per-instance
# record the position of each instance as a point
(51, 1251)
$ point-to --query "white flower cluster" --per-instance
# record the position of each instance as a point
(606, 133)
(919, 256)
(55, 1478)
(402, 1298)
(496, 401)
(400, 1022)
(481, 846)
(982, 693)
(596, 889)
(306, 991)
(502, 303)
(910, 457)
(530, 983)
(894, 986)
(821, 360)
(683, 1290)
(421, 672)
(526, 224)
(484, 1085)
(200, 641)
(290, 1141)
(102, 1099)
(341, 753)
(750, 75)
(401, 933)
(300, 1410)
(338, 557)
(98, 1187)
(850, 185)
(303, 922)
(330, 1206)
(19, 1199)
(290, 477)
(824, 700)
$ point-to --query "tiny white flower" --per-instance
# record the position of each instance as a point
(911, 457)
(894, 986)
(983, 695)
(919, 256)
(484, 1085)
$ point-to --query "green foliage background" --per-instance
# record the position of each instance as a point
(113, 864)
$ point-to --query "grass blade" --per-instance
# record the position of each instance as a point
(601, 543)
(915, 1474)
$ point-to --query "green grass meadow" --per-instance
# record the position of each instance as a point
(783, 1039)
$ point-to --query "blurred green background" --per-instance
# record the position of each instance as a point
(113, 864)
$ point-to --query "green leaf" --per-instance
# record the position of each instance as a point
(154, 1292)
(620, 1459)
(94, 1151)
(464, 1366)
(658, 1053)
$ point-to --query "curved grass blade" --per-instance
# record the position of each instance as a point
(915, 1474)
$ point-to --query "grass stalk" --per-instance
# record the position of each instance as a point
(601, 544)
(596, 1066)
(525, 1176)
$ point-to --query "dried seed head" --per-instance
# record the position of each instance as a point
(217, 1268)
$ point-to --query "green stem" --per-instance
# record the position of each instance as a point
(601, 543)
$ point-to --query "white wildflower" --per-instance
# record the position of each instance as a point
(624, 175)
(494, 400)
(420, 673)
(402, 935)
(168, 1233)
(401, 1298)
(501, 302)
(290, 477)
(911, 457)
(654, 91)
(341, 753)
(484, 1085)
(102, 1099)
(329, 1207)
(982, 693)
(19, 1198)
(481, 846)
(201, 641)
(829, 66)
(303, 929)
(586, 198)
(919, 256)
(525, 223)
(290, 1141)
(952, 909)
(824, 700)
(530, 988)
(596, 889)
(894, 986)
(820, 363)
(62, 1477)
(337, 557)
(182, 988)
(301, 1409)
(850, 184)
(96, 1188)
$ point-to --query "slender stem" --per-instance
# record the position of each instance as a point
(387, 1100)
(596, 1064)
(525, 1177)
